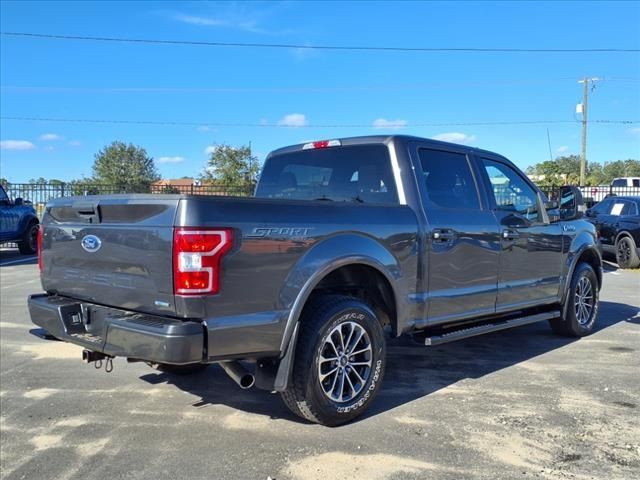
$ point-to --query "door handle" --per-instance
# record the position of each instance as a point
(443, 235)
(510, 234)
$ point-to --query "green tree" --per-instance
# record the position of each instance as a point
(125, 166)
(566, 170)
(83, 186)
(596, 175)
(621, 168)
(4, 182)
(38, 180)
(231, 166)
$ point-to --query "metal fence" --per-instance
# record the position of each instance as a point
(41, 193)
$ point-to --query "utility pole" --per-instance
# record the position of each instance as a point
(585, 101)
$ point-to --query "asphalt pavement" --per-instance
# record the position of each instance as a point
(515, 404)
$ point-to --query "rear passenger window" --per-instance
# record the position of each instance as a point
(448, 179)
(630, 208)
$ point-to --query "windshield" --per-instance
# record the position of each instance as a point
(359, 173)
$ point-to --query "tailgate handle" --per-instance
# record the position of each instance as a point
(87, 210)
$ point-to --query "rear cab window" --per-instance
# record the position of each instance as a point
(354, 173)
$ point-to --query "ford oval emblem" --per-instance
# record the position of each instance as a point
(91, 243)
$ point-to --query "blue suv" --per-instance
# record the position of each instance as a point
(18, 223)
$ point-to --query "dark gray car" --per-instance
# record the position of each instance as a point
(345, 242)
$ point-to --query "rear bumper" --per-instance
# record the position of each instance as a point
(119, 333)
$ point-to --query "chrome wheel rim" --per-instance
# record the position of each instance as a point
(584, 301)
(344, 364)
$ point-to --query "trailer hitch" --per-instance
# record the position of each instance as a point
(89, 356)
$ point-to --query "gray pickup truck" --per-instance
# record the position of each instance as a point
(346, 242)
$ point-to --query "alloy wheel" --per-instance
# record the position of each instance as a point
(584, 301)
(345, 361)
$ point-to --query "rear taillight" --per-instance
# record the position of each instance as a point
(196, 259)
(39, 246)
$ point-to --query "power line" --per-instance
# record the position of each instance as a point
(294, 89)
(282, 125)
(317, 47)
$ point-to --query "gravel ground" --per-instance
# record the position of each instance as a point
(515, 404)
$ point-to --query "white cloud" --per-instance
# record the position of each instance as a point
(49, 148)
(562, 149)
(454, 137)
(203, 128)
(293, 120)
(232, 19)
(175, 159)
(210, 149)
(635, 131)
(49, 137)
(75, 143)
(389, 124)
(196, 20)
(16, 145)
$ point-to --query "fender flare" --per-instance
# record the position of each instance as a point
(624, 233)
(574, 258)
(328, 255)
(322, 263)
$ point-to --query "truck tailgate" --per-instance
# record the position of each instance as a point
(114, 250)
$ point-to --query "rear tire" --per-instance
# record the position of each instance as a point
(28, 245)
(581, 304)
(346, 331)
(626, 253)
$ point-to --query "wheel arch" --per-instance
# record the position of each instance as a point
(333, 261)
(624, 233)
(587, 254)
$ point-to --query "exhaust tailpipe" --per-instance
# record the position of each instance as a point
(239, 374)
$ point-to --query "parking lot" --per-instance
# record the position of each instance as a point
(515, 404)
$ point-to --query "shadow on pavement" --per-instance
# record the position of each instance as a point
(11, 256)
(412, 371)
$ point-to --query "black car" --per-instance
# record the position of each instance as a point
(617, 220)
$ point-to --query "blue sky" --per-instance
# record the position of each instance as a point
(92, 80)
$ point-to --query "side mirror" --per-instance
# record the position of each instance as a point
(571, 203)
(18, 202)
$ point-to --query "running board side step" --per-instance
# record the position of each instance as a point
(495, 326)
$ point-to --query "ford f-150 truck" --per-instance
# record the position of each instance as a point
(347, 242)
